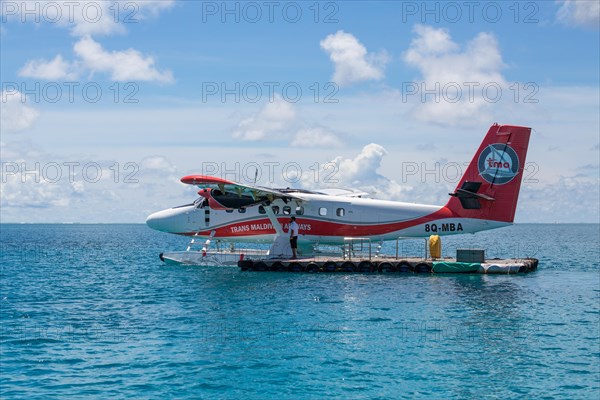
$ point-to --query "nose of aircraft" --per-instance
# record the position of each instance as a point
(153, 221)
(160, 220)
(172, 220)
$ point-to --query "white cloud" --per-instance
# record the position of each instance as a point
(81, 189)
(58, 68)
(87, 17)
(34, 193)
(26, 184)
(450, 71)
(360, 172)
(580, 12)
(158, 163)
(111, 20)
(93, 18)
(124, 65)
(279, 121)
(15, 114)
(352, 62)
(159, 174)
(566, 199)
(363, 167)
(316, 137)
(274, 119)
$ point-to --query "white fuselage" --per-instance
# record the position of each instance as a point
(321, 218)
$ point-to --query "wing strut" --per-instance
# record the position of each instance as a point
(276, 225)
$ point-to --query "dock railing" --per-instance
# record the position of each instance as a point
(357, 248)
(362, 248)
(400, 250)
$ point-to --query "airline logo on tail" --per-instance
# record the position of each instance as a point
(498, 164)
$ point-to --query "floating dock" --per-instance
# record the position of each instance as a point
(391, 265)
(357, 255)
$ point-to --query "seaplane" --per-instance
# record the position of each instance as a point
(231, 212)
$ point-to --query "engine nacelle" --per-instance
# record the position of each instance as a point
(212, 202)
(228, 201)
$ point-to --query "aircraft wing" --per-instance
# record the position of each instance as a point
(229, 187)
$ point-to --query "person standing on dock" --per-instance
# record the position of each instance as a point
(293, 236)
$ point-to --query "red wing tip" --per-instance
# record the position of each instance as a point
(200, 179)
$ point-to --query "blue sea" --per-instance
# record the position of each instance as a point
(89, 311)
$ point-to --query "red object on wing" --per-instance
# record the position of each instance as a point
(200, 179)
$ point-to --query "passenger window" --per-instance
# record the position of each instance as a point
(299, 210)
(322, 211)
(229, 210)
(287, 210)
(275, 210)
(261, 210)
(340, 212)
(241, 210)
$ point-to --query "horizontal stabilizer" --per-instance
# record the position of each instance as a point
(468, 196)
(466, 193)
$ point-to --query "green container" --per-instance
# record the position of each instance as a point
(447, 267)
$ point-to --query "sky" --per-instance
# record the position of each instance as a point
(107, 104)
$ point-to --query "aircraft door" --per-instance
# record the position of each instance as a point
(199, 217)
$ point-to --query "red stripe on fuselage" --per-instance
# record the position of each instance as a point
(312, 226)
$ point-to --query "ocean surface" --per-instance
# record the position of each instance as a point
(91, 311)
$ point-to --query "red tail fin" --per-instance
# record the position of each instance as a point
(489, 189)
